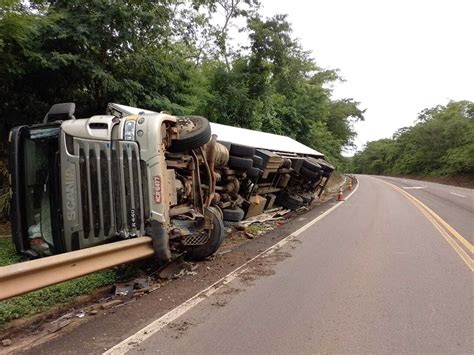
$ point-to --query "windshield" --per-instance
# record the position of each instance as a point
(39, 161)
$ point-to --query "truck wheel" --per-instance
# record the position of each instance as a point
(257, 161)
(242, 150)
(325, 165)
(240, 163)
(311, 164)
(310, 174)
(233, 215)
(216, 237)
(200, 135)
(292, 202)
(253, 172)
(225, 144)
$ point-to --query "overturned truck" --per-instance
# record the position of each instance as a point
(78, 183)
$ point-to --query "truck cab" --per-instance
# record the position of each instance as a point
(77, 183)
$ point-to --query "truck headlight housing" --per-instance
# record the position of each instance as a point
(129, 130)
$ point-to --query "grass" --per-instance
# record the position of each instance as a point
(42, 300)
(7, 253)
(255, 228)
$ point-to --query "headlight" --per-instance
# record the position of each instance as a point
(129, 131)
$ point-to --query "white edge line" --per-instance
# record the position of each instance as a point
(453, 193)
(158, 324)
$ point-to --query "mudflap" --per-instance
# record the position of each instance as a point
(161, 245)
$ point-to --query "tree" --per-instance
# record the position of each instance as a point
(440, 143)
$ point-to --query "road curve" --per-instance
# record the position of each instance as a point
(454, 204)
(374, 275)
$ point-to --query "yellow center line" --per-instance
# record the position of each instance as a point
(442, 226)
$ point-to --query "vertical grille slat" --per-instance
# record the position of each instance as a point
(94, 192)
(144, 193)
(139, 196)
(132, 211)
(89, 192)
(106, 192)
(84, 193)
(100, 226)
(116, 197)
(123, 190)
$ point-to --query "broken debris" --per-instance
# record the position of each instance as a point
(53, 327)
(6, 342)
(124, 290)
(272, 215)
(176, 269)
(110, 304)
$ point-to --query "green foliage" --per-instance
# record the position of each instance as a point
(440, 144)
(8, 254)
(277, 87)
(4, 190)
(255, 228)
(38, 301)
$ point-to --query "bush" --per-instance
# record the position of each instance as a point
(4, 191)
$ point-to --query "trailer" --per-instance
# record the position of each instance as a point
(79, 183)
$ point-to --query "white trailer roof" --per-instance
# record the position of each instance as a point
(262, 140)
(243, 136)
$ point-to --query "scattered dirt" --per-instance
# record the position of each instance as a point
(179, 328)
(219, 303)
(228, 290)
(264, 266)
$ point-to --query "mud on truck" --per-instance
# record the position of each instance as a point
(77, 183)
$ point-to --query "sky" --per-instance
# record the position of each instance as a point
(397, 57)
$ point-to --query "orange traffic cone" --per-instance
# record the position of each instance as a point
(350, 185)
(340, 196)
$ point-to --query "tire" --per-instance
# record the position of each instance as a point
(242, 151)
(325, 165)
(310, 174)
(216, 238)
(311, 164)
(240, 163)
(292, 202)
(253, 172)
(194, 139)
(233, 215)
(326, 174)
(306, 198)
(257, 161)
(230, 224)
(225, 144)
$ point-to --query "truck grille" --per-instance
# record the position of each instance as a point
(112, 185)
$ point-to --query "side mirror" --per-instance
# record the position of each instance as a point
(61, 111)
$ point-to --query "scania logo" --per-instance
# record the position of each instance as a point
(70, 192)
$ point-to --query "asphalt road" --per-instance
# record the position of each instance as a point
(375, 275)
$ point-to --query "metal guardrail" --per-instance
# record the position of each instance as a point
(32, 275)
